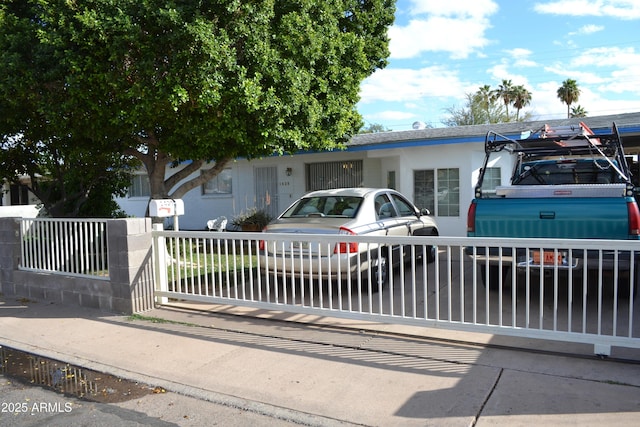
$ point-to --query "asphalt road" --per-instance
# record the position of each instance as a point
(23, 405)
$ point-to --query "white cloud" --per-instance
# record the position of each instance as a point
(547, 105)
(457, 27)
(614, 71)
(390, 115)
(464, 8)
(520, 57)
(519, 52)
(607, 75)
(609, 57)
(406, 85)
(582, 77)
(501, 72)
(624, 81)
(588, 29)
(622, 9)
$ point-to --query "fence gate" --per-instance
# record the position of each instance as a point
(589, 304)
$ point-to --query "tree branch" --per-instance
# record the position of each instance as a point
(181, 174)
(205, 176)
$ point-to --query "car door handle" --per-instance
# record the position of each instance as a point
(547, 215)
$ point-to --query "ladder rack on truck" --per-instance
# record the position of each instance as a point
(574, 141)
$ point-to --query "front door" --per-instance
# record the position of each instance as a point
(266, 189)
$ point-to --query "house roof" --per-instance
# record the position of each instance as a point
(628, 125)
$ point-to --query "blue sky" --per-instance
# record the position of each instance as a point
(443, 49)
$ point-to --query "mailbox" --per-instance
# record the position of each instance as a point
(166, 207)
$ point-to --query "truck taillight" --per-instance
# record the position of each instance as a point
(346, 247)
(471, 218)
(634, 218)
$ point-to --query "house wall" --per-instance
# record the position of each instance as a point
(200, 208)
(467, 157)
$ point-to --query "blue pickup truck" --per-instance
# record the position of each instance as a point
(567, 183)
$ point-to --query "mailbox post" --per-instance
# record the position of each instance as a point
(163, 208)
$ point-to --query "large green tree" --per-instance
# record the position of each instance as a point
(569, 93)
(69, 180)
(190, 82)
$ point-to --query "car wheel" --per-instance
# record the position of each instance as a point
(380, 271)
(432, 254)
(431, 251)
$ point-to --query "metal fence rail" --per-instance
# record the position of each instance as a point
(76, 247)
(567, 290)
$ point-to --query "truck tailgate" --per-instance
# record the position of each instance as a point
(574, 218)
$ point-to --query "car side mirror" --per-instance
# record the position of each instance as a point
(425, 211)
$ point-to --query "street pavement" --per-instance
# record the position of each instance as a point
(229, 366)
(28, 405)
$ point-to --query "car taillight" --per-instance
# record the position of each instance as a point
(634, 218)
(261, 244)
(346, 247)
(471, 218)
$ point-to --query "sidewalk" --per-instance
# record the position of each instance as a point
(334, 373)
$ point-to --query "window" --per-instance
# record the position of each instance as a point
(384, 207)
(326, 206)
(448, 192)
(403, 206)
(438, 190)
(219, 184)
(491, 180)
(391, 180)
(140, 186)
(423, 189)
(325, 175)
(19, 194)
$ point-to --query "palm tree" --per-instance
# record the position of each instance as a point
(486, 96)
(578, 111)
(505, 92)
(569, 93)
(521, 98)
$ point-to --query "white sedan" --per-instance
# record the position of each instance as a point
(347, 211)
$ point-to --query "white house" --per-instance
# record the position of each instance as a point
(436, 168)
(18, 201)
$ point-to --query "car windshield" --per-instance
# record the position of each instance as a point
(321, 206)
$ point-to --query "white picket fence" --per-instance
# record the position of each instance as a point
(74, 247)
(590, 303)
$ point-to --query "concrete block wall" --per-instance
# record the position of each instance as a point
(128, 290)
(9, 252)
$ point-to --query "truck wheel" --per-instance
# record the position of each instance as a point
(494, 276)
(624, 285)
